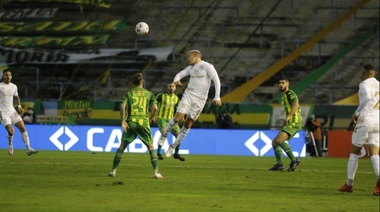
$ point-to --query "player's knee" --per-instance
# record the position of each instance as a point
(11, 132)
(275, 142)
(373, 150)
(150, 147)
(278, 140)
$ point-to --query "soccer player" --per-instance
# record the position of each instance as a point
(137, 109)
(167, 105)
(366, 130)
(292, 124)
(195, 95)
(9, 116)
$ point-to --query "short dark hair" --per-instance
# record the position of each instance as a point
(283, 78)
(136, 78)
(6, 70)
(368, 67)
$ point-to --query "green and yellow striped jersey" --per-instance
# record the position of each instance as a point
(287, 100)
(167, 105)
(138, 101)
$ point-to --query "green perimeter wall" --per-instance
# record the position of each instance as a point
(245, 116)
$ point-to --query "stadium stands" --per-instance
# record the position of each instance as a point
(241, 39)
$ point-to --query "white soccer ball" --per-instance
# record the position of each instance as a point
(26, 119)
(142, 28)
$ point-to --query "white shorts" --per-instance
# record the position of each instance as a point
(192, 106)
(8, 118)
(366, 135)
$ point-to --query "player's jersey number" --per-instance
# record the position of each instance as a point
(377, 104)
(139, 106)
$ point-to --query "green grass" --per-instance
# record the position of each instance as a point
(78, 181)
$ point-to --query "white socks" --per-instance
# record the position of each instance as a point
(169, 127)
(375, 163)
(352, 166)
(182, 134)
(25, 138)
(10, 139)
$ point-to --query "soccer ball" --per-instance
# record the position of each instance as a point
(26, 119)
(142, 28)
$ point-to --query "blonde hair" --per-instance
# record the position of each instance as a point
(195, 51)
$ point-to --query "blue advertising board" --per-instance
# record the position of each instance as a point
(198, 141)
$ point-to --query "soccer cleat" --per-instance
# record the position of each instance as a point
(169, 152)
(10, 149)
(277, 167)
(157, 175)
(159, 156)
(32, 151)
(112, 173)
(346, 188)
(161, 141)
(293, 165)
(179, 157)
(376, 192)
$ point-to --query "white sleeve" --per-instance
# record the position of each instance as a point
(185, 72)
(215, 78)
(364, 97)
(16, 91)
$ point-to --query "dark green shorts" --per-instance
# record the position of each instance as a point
(292, 128)
(144, 133)
(162, 123)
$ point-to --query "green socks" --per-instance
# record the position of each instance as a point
(278, 153)
(117, 158)
(285, 146)
(176, 150)
(153, 159)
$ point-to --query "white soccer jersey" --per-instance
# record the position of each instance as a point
(201, 75)
(369, 100)
(7, 93)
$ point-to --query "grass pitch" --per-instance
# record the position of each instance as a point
(78, 181)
